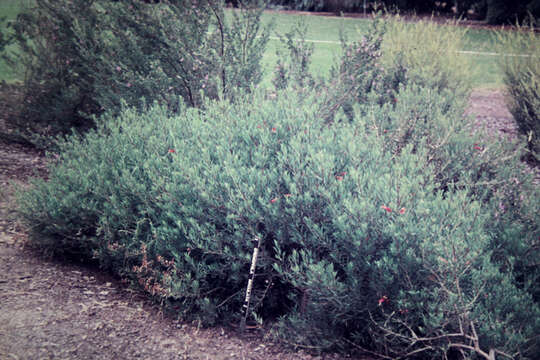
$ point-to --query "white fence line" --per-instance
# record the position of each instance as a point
(466, 52)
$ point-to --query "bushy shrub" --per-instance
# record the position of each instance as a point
(309, 5)
(357, 78)
(424, 52)
(320, 5)
(392, 230)
(84, 57)
(510, 12)
(292, 68)
(522, 79)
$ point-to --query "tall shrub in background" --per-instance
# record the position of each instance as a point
(510, 12)
(84, 57)
(522, 79)
(356, 79)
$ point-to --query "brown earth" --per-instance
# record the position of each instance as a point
(54, 310)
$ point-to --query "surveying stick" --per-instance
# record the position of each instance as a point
(257, 241)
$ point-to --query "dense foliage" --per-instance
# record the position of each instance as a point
(510, 12)
(386, 225)
(82, 57)
(493, 11)
(522, 80)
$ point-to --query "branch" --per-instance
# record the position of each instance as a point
(222, 49)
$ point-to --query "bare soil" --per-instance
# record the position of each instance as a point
(54, 310)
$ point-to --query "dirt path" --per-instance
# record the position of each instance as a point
(50, 310)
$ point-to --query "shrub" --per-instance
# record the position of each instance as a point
(358, 78)
(393, 230)
(292, 69)
(522, 79)
(84, 57)
(510, 12)
(320, 5)
(173, 202)
(424, 52)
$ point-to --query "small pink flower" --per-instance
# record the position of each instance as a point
(476, 147)
(383, 299)
(339, 178)
(128, 84)
(273, 200)
(386, 208)
(402, 211)
(118, 68)
(172, 151)
(274, 130)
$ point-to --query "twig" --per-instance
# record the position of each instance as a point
(368, 351)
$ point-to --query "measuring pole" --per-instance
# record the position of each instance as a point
(257, 241)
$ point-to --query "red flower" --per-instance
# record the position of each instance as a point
(274, 130)
(402, 211)
(383, 300)
(339, 178)
(476, 147)
(443, 260)
(172, 151)
(386, 208)
(273, 200)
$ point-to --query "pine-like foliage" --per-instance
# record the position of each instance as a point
(84, 57)
(522, 79)
(389, 228)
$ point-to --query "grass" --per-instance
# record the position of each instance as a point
(484, 69)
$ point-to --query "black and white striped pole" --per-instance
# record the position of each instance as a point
(257, 241)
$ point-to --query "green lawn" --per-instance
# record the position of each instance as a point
(484, 70)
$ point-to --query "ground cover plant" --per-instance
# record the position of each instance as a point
(387, 226)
